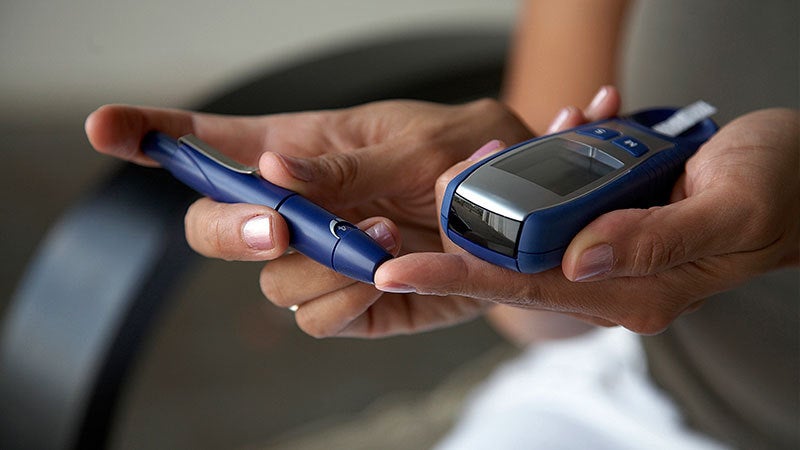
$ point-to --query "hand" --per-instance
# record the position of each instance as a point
(331, 305)
(733, 214)
(380, 159)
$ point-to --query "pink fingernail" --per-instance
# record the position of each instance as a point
(396, 288)
(594, 262)
(257, 233)
(382, 235)
(598, 99)
(487, 148)
(558, 122)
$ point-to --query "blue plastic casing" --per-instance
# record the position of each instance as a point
(313, 231)
(545, 233)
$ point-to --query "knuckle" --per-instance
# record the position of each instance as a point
(526, 295)
(761, 223)
(655, 312)
(314, 327)
(272, 288)
(648, 323)
(343, 168)
(655, 252)
(490, 107)
(500, 118)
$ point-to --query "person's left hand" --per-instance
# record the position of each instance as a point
(374, 165)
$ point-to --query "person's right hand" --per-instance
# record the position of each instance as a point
(734, 214)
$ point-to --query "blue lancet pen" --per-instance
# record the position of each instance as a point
(313, 231)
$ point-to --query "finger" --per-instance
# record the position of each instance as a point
(295, 279)
(605, 104)
(639, 242)
(487, 149)
(642, 305)
(568, 117)
(355, 311)
(117, 130)
(407, 314)
(444, 274)
(342, 179)
(332, 313)
(450, 274)
(240, 232)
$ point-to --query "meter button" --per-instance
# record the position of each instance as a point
(599, 133)
(631, 145)
(339, 228)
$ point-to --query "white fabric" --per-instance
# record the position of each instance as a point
(589, 392)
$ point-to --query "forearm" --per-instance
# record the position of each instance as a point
(562, 52)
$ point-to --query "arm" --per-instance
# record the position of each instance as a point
(562, 52)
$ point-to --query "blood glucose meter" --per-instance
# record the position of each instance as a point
(521, 208)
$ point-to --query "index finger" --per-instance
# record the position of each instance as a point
(117, 130)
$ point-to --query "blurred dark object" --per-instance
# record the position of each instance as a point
(84, 305)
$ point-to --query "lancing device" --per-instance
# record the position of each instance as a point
(521, 208)
(313, 231)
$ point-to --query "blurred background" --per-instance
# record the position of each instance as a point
(221, 367)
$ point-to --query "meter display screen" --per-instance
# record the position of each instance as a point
(557, 165)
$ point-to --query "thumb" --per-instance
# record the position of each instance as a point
(341, 179)
(640, 242)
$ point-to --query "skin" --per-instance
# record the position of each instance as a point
(561, 53)
(706, 241)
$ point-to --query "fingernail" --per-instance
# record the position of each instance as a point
(558, 122)
(396, 288)
(598, 99)
(382, 235)
(595, 261)
(487, 148)
(299, 168)
(257, 233)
